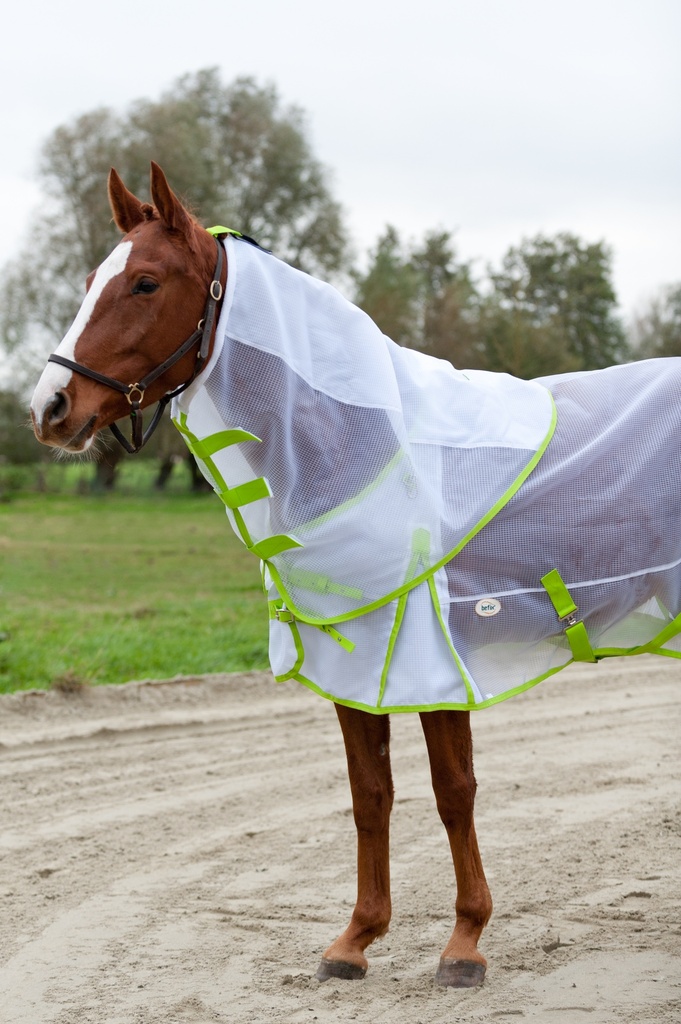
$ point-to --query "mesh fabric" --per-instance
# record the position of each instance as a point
(381, 462)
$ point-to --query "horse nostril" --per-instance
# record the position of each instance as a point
(57, 409)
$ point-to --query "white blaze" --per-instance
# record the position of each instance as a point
(55, 377)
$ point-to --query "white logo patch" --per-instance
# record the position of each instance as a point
(488, 606)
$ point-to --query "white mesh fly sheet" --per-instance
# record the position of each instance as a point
(355, 468)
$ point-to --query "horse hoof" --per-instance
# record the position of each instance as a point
(460, 973)
(339, 969)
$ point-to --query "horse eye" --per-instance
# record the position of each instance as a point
(144, 287)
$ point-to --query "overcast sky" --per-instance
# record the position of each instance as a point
(495, 119)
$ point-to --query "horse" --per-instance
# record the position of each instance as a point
(151, 316)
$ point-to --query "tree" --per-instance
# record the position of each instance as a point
(449, 302)
(389, 289)
(550, 309)
(512, 343)
(657, 330)
(18, 446)
(234, 151)
(421, 297)
(562, 287)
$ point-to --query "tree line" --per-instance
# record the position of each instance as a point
(239, 156)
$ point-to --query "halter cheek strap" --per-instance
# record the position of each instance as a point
(135, 392)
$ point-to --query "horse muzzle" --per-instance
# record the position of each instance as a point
(53, 424)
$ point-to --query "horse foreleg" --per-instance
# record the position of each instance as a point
(367, 747)
(450, 749)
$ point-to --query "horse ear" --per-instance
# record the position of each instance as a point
(170, 209)
(126, 208)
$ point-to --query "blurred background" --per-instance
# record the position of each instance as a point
(496, 183)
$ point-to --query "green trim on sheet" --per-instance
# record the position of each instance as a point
(300, 656)
(671, 630)
(397, 623)
(410, 584)
(219, 229)
(325, 517)
(599, 654)
(459, 664)
(400, 709)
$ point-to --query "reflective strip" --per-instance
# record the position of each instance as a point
(244, 494)
(575, 631)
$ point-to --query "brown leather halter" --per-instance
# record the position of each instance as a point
(135, 392)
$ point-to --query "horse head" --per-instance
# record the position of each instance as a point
(138, 322)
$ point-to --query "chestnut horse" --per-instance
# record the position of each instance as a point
(138, 323)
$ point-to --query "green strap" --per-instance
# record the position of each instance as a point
(218, 229)
(244, 494)
(578, 638)
(559, 594)
(271, 546)
(282, 614)
(343, 641)
(566, 609)
(320, 584)
(215, 442)
(278, 612)
(653, 646)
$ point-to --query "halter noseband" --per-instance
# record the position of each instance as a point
(135, 392)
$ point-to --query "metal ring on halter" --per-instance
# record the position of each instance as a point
(130, 392)
(216, 290)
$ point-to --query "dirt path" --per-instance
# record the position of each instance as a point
(184, 851)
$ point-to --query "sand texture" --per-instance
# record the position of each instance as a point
(182, 853)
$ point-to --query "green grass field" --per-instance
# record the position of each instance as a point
(124, 586)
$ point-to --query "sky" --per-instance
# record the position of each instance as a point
(492, 119)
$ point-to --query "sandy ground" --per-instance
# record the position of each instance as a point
(184, 851)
